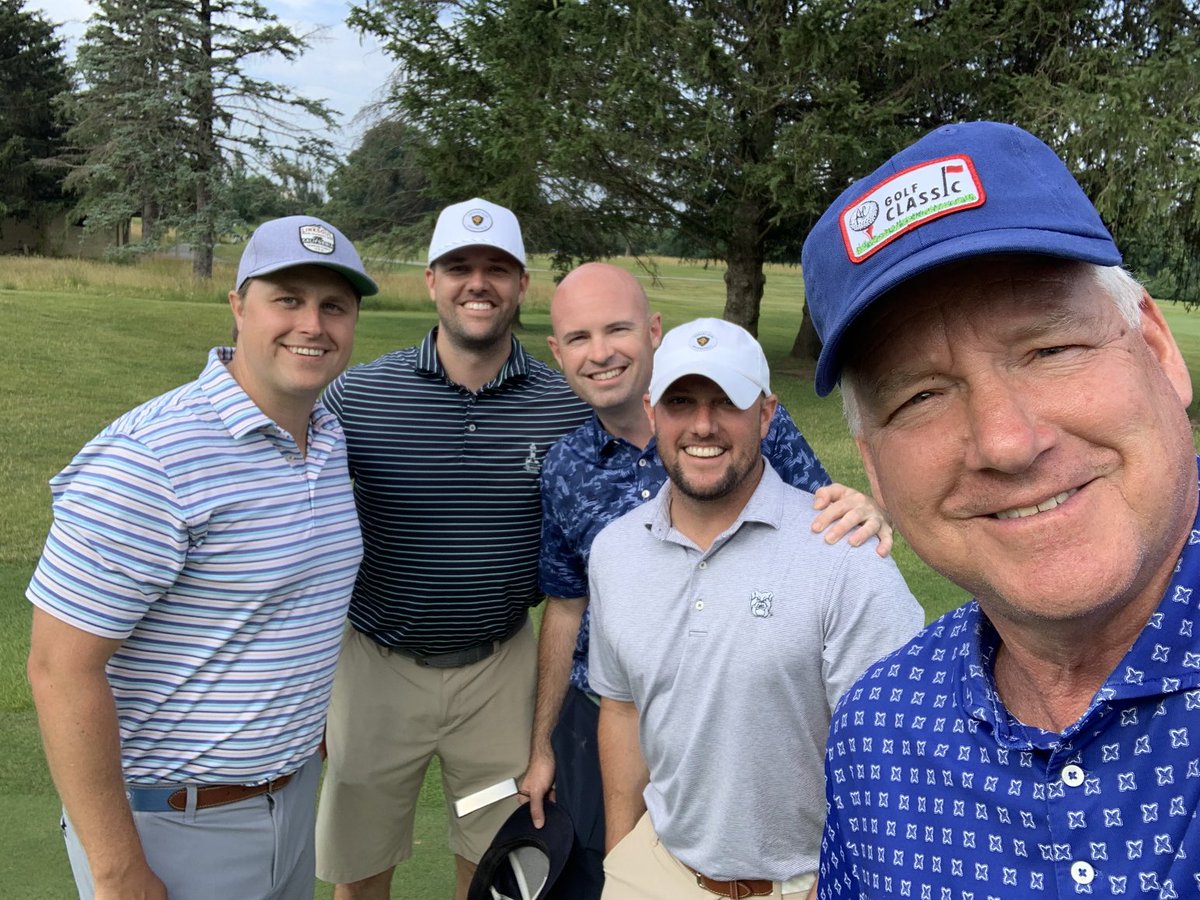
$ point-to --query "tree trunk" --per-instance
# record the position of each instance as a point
(808, 344)
(204, 235)
(744, 282)
(149, 221)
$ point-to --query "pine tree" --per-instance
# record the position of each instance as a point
(167, 112)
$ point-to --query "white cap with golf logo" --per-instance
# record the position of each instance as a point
(477, 223)
(721, 351)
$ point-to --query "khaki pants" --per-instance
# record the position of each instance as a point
(388, 718)
(641, 868)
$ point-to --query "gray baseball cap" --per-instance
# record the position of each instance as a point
(298, 241)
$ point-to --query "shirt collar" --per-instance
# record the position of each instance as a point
(241, 415)
(765, 505)
(515, 367)
(602, 446)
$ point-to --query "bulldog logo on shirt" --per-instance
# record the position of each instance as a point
(760, 603)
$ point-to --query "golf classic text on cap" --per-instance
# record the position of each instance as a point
(720, 351)
(477, 223)
(964, 190)
(300, 241)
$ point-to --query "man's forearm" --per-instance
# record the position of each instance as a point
(78, 721)
(556, 646)
(622, 769)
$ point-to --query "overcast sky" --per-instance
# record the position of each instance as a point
(346, 71)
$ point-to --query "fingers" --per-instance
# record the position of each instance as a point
(533, 789)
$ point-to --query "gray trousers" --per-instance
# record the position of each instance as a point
(257, 849)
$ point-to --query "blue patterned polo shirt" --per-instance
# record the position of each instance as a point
(590, 478)
(935, 792)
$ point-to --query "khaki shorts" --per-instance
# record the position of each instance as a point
(388, 718)
(641, 868)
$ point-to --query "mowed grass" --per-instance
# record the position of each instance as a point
(87, 341)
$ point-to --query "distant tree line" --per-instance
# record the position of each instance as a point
(731, 125)
(714, 128)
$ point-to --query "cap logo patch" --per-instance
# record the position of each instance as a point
(317, 238)
(477, 220)
(907, 201)
(704, 342)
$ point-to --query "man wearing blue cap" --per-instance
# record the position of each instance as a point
(190, 597)
(446, 441)
(1021, 409)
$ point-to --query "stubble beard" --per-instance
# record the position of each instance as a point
(500, 333)
(728, 482)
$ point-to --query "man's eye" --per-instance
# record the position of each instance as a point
(1050, 351)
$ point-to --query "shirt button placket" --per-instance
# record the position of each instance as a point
(1082, 872)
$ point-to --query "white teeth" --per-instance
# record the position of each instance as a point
(478, 304)
(705, 452)
(307, 351)
(1021, 512)
(606, 376)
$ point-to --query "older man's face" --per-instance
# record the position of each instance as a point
(1030, 444)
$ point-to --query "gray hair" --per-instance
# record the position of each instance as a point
(1118, 285)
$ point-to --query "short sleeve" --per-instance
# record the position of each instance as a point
(790, 454)
(118, 540)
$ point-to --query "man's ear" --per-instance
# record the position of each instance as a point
(655, 330)
(767, 413)
(869, 465)
(552, 343)
(649, 408)
(524, 286)
(429, 281)
(1157, 335)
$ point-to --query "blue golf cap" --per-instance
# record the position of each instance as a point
(964, 190)
(302, 241)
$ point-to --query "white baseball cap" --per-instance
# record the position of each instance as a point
(721, 351)
(477, 223)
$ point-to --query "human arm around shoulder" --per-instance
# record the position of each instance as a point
(846, 511)
(623, 772)
(556, 646)
(843, 510)
(78, 720)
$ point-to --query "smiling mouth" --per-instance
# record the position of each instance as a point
(479, 305)
(307, 351)
(704, 452)
(606, 375)
(1022, 512)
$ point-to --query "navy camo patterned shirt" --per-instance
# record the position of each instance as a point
(936, 793)
(590, 478)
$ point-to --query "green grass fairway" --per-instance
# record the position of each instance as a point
(88, 341)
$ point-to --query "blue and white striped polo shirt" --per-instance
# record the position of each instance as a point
(192, 529)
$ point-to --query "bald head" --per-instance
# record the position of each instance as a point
(596, 284)
(604, 338)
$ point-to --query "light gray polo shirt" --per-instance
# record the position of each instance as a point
(735, 658)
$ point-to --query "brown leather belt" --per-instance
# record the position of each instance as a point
(735, 890)
(221, 794)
